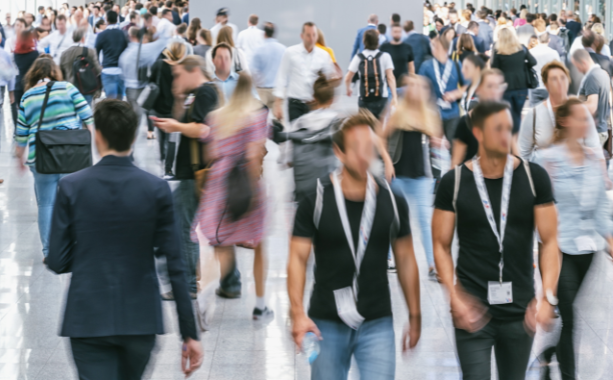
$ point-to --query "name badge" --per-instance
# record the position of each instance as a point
(346, 307)
(499, 293)
(585, 243)
(443, 104)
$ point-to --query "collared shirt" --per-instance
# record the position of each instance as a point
(56, 43)
(227, 86)
(266, 61)
(215, 29)
(148, 55)
(165, 28)
(249, 40)
(299, 70)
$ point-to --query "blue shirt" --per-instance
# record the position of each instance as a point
(227, 86)
(358, 44)
(266, 61)
(427, 70)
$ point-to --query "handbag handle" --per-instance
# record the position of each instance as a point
(42, 110)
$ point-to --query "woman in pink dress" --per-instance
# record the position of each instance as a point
(238, 130)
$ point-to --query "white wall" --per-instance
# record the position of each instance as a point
(338, 19)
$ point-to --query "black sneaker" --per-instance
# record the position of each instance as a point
(259, 314)
(227, 294)
(168, 177)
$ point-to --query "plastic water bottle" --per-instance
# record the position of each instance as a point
(310, 346)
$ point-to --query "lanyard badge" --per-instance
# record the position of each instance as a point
(498, 292)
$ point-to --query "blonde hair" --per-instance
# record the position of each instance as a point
(523, 14)
(507, 43)
(420, 116)
(598, 29)
(540, 25)
(231, 117)
(175, 52)
(321, 39)
(225, 35)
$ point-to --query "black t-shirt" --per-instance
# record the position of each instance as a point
(478, 258)
(335, 267)
(161, 74)
(401, 54)
(205, 101)
(415, 156)
(464, 133)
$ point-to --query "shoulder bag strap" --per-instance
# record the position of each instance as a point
(42, 110)
(456, 186)
(457, 67)
(319, 202)
(529, 174)
(534, 126)
(140, 45)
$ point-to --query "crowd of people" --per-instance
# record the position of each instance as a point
(476, 124)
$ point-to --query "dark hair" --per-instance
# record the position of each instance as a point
(253, 19)
(309, 24)
(165, 12)
(41, 8)
(588, 38)
(371, 39)
(563, 111)
(21, 20)
(485, 109)
(382, 28)
(60, 18)
(117, 122)
(205, 34)
(363, 117)
(323, 90)
(476, 60)
(472, 24)
(138, 6)
(530, 17)
(551, 66)
(181, 28)
(96, 7)
(147, 16)
(169, 4)
(111, 17)
(221, 45)
(153, 10)
(453, 11)
(133, 15)
(395, 18)
(43, 67)
(269, 29)
(408, 26)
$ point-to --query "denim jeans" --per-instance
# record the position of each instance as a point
(113, 85)
(517, 99)
(372, 345)
(45, 188)
(186, 204)
(89, 99)
(418, 193)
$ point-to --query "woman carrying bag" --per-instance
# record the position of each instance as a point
(63, 108)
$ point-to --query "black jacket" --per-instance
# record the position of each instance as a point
(109, 221)
(514, 68)
(112, 42)
(603, 61)
(161, 74)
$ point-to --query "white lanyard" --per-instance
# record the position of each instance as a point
(368, 214)
(504, 204)
(550, 109)
(442, 82)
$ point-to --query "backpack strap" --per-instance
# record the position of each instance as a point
(529, 174)
(376, 69)
(457, 67)
(319, 202)
(396, 215)
(534, 126)
(456, 186)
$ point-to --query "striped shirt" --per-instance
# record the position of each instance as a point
(66, 109)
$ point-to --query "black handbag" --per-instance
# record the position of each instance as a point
(61, 151)
(151, 92)
(531, 78)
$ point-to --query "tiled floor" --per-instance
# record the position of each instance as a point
(31, 303)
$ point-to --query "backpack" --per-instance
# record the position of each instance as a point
(563, 34)
(85, 78)
(372, 77)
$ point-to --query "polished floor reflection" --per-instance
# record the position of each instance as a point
(31, 303)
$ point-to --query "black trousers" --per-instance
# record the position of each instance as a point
(574, 269)
(512, 346)
(112, 358)
(376, 107)
(167, 148)
(449, 127)
(297, 108)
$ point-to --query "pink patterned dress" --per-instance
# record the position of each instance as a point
(248, 230)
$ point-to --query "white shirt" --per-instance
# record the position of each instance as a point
(218, 26)
(249, 40)
(543, 55)
(57, 43)
(10, 44)
(299, 70)
(165, 28)
(385, 60)
(155, 20)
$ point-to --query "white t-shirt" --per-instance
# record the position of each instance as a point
(385, 60)
(543, 55)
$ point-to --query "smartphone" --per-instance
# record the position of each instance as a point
(154, 118)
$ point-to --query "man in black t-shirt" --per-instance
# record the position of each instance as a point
(351, 220)
(189, 79)
(496, 201)
(401, 53)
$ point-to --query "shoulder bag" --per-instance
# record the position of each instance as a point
(61, 151)
(532, 80)
(150, 93)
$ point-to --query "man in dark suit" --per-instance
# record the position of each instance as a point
(574, 28)
(588, 40)
(419, 43)
(473, 31)
(358, 45)
(109, 221)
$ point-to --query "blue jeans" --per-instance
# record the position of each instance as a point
(372, 345)
(418, 193)
(45, 188)
(186, 204)
(113, 85)
(517, 99)
(89, 99)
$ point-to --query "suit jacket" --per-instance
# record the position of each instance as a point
(358, 44)
(574, 29)
(603, 61)
(486, 33)
(555, 42)
(421, 48)
(479, 44)
(107, 222)
(68, 57)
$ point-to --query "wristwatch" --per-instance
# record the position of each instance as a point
(553, 300)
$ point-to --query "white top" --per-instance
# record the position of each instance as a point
(249, 40)
(542, 138)
(165, 28)
(385, 60)
(218, 26)
(155, 20)
(543, 55)
(299, 70)
(10, 44)
(57, 43)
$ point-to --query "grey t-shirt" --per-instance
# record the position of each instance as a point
(597, 82)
